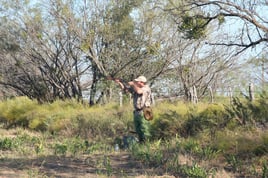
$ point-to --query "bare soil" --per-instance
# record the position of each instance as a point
(119, 164)
(113, 164)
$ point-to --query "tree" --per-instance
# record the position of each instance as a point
(67, 46)
(7, 45)
(259, 70)
(247, 18)
(63, 47)
(191, 63)
(47, 64)
(119, 44)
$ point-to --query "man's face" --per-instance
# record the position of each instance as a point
(139, 84)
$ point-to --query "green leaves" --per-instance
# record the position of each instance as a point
(6, 144)
(194, 27)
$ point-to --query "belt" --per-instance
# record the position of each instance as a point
(138, 110)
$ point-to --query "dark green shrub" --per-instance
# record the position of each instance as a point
(259, 109)
(60, 149)
(213, 117)
(240, 110)
(167, 125)
(192, 126)
(249, 112)
(262, 148)
(6, 144)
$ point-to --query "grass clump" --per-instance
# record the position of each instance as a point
(6, 144)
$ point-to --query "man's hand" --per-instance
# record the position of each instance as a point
(117, 80)
(131, 83)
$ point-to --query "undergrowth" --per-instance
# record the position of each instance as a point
(187, 140)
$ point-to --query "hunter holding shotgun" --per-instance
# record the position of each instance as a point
(141, 94)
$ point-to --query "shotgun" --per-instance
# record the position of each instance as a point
(124, 82)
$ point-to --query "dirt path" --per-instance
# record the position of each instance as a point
(118, 164)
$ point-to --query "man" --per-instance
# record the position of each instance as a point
(141, 93)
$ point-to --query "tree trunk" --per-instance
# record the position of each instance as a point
(251, 92)
(211, 95)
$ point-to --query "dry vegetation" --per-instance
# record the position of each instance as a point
(68, 139)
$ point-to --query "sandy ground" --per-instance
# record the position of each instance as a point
(118, 164)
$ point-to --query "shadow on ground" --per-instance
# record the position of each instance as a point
(118, 164)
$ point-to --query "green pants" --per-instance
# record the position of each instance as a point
(142, 126)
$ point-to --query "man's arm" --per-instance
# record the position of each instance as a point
(123, 85)
(135, 87)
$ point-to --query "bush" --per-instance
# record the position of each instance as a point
(262, 147)
(225, 141)
(69, 117)
(16, 111)
(214, 117)
(167, 125)
(259, 109)
(95, 124)
(241, 111)
(192, 126)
